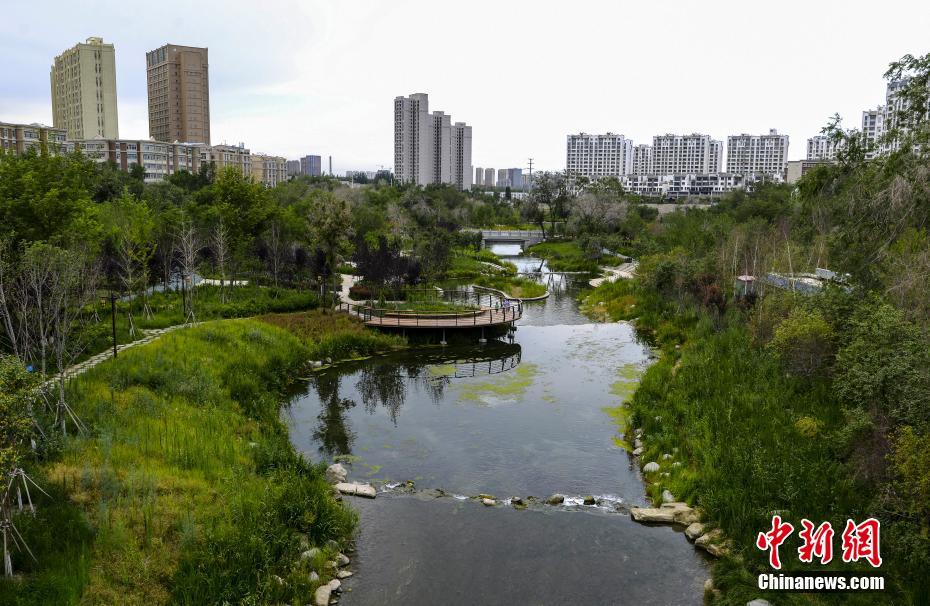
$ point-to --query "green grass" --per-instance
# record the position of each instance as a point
(167, 309)
(518, 288)
(468, 264)
(186, 489)
(334, 335)
(568, 256)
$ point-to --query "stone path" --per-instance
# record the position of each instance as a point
(77, 369)
(625, 271)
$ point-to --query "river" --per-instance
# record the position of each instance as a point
(527, 418)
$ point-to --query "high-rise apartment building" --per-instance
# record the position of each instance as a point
(596, 156)
(821, 147)
(758, 156)
(489, 179)
(179, 94)
(312, 166)
(428, 147)
(479, 176)
(83, 82)
(686, 154)
(873, 127)
(461, 155)
(293, 168)
(510, 177)
(642, 160)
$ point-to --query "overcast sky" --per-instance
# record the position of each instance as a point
(292, 78)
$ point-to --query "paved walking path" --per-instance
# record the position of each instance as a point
(625, 271)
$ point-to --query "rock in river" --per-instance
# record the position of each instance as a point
(556, 499)
(713, 543)
(693, 531)
(336, 473)
(488, 502)
(669, 513)
(589, 500)
(360, 490)
(344, 574)
(321, 596)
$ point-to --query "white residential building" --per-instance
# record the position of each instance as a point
(642, 160)
(428, 148)
(758, 156)
(596, 156)
(479, 176)
(489, 179)
(821, 147)
(693, 185)
(686, 154)
(461, 155)
(873, 127)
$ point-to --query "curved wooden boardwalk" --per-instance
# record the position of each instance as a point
(486, 316)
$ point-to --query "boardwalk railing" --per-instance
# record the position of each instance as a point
(490, 309)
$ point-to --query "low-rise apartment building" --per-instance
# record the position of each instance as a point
(268, 170)
(222, 156)
(20, 138)
(158, 159)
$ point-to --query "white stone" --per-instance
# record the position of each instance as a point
(488, 502)
(335, 585)
(314, 577)
(336, 473)
(758, 602)
(638, 452)
(366, 490)
(342, 560)
(667, 496)
(344, 574)
(653, 515)
(651, 467)
(321, 596)
(666, 456)
(712, 543)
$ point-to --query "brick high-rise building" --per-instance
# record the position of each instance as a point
(179, 94)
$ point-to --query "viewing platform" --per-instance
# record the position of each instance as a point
(489, 309)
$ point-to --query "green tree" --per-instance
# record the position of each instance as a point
(330, 222)
(804, 342)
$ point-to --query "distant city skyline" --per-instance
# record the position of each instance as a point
(324, 74)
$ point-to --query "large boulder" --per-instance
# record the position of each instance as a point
(321, 596)
(359, 490)
(653, 515)
(336, 473)
(556, 499)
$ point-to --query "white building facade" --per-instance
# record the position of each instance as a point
(596, 156)
(428, 147)
(686, 154)
(758, 157)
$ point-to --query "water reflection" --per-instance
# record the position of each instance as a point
(383, 384)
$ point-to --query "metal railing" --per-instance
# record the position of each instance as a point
(490, 309)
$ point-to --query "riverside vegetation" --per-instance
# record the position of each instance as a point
(813, 406)
(186, 489)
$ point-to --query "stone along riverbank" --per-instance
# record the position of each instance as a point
(471, 429)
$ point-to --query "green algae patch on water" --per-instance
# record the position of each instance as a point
(441, 370)
(509, 386)
(629, 376)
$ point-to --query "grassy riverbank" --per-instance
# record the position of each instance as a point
(752, 439)
(186, 488)
(516, 287)
(568, 256)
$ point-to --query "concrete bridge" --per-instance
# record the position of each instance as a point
(523, 237)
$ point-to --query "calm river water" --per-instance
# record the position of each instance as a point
(526, 418)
